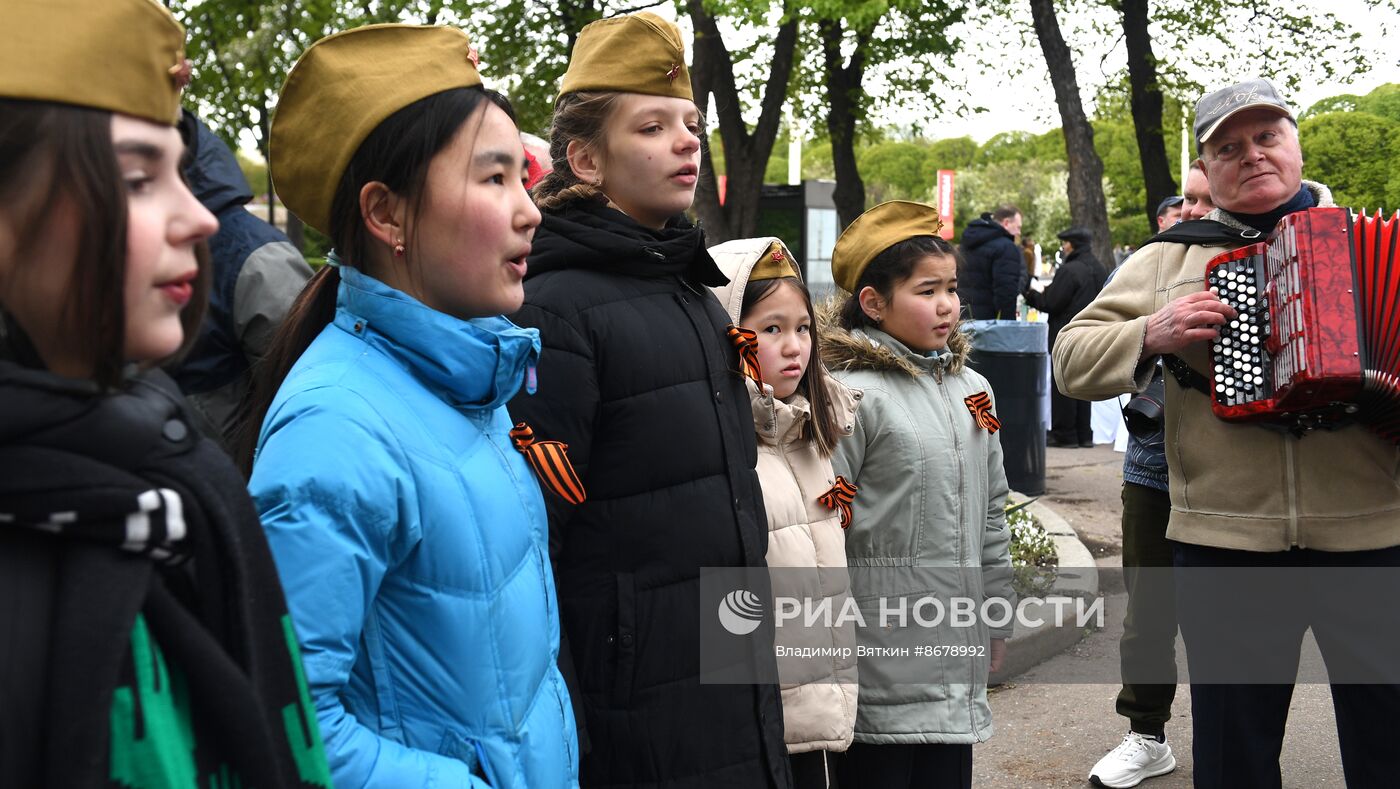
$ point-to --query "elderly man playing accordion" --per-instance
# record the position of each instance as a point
(1275, 530)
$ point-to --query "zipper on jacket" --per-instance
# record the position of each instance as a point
(688, 285)
(1291, 481)
(962, 472)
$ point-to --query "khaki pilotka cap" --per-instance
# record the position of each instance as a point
(341, 89)
(774, 263)
(874, 232)
(641, 53)
(123, 56)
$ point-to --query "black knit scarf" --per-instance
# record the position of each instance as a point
(1266, 221)
(149, 529)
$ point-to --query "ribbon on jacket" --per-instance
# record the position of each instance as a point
(839, 498)
(550, 460)
(980, 405)
(746, 340)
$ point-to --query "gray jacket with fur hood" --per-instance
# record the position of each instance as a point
(929, 518)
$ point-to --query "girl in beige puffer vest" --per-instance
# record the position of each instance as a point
(800, 413)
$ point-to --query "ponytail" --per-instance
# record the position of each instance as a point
(581, 117)
(312, 311)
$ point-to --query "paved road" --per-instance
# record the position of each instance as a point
(1050, 734)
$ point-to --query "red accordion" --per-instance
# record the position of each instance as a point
(1317, 340)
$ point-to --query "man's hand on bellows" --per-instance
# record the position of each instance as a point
(1190, 319)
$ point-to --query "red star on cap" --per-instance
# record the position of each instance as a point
(181, 73)
(474, 57)
(674, 72)
(777, 255)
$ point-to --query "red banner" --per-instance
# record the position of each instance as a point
(945, 203)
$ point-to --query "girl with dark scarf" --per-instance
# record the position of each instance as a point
(144, 640)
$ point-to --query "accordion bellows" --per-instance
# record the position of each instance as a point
(1317, 340)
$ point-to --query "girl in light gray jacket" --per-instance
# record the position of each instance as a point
(929, 521)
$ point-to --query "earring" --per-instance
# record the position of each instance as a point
(398, 250)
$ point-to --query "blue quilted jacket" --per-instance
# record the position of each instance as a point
(410, 536)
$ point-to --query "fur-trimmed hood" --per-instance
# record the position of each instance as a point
(872, 349)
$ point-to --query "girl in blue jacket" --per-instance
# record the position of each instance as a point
(408, 528)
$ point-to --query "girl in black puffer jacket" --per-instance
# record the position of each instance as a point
(639, 378)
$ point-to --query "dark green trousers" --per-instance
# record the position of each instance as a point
(1148, 646)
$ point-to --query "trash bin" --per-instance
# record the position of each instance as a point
(1012, 356)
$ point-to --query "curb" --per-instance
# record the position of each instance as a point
(1029, 646)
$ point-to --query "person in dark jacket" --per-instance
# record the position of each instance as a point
(639, 377)
(1078, 279)
(144, 639)
(257, 274)
(994, 270)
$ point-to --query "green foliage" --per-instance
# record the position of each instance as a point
(954, 153)
(1034, 559)
(1011, 146)
(525, 47)
(1384, 101)
(314, 246)
(254, 172)
(817, 161)
(1129, 230)
(1354, 154)
(895, 171)
(1346, 102)
(1115, 140)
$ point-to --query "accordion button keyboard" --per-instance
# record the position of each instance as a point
(1238, 362)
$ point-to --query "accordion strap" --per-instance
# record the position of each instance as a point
(1333, 417)
(1204, 231)
(1185, 374)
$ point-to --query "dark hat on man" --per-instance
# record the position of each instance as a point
(1170, 202)
(1078, 236)
(1216, 108)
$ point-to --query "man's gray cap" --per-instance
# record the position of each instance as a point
(1216, 108)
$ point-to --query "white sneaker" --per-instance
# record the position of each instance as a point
(1134, 760)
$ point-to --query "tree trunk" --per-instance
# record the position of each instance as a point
(264, 126)
(843, 92)
(294, 232)
(746, 153)
(1087, 206)
(1147, 108)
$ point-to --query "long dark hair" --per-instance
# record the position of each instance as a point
(54, 153)
(826, 423)
(397, 153)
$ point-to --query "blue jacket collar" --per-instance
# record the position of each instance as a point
(477, 363)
